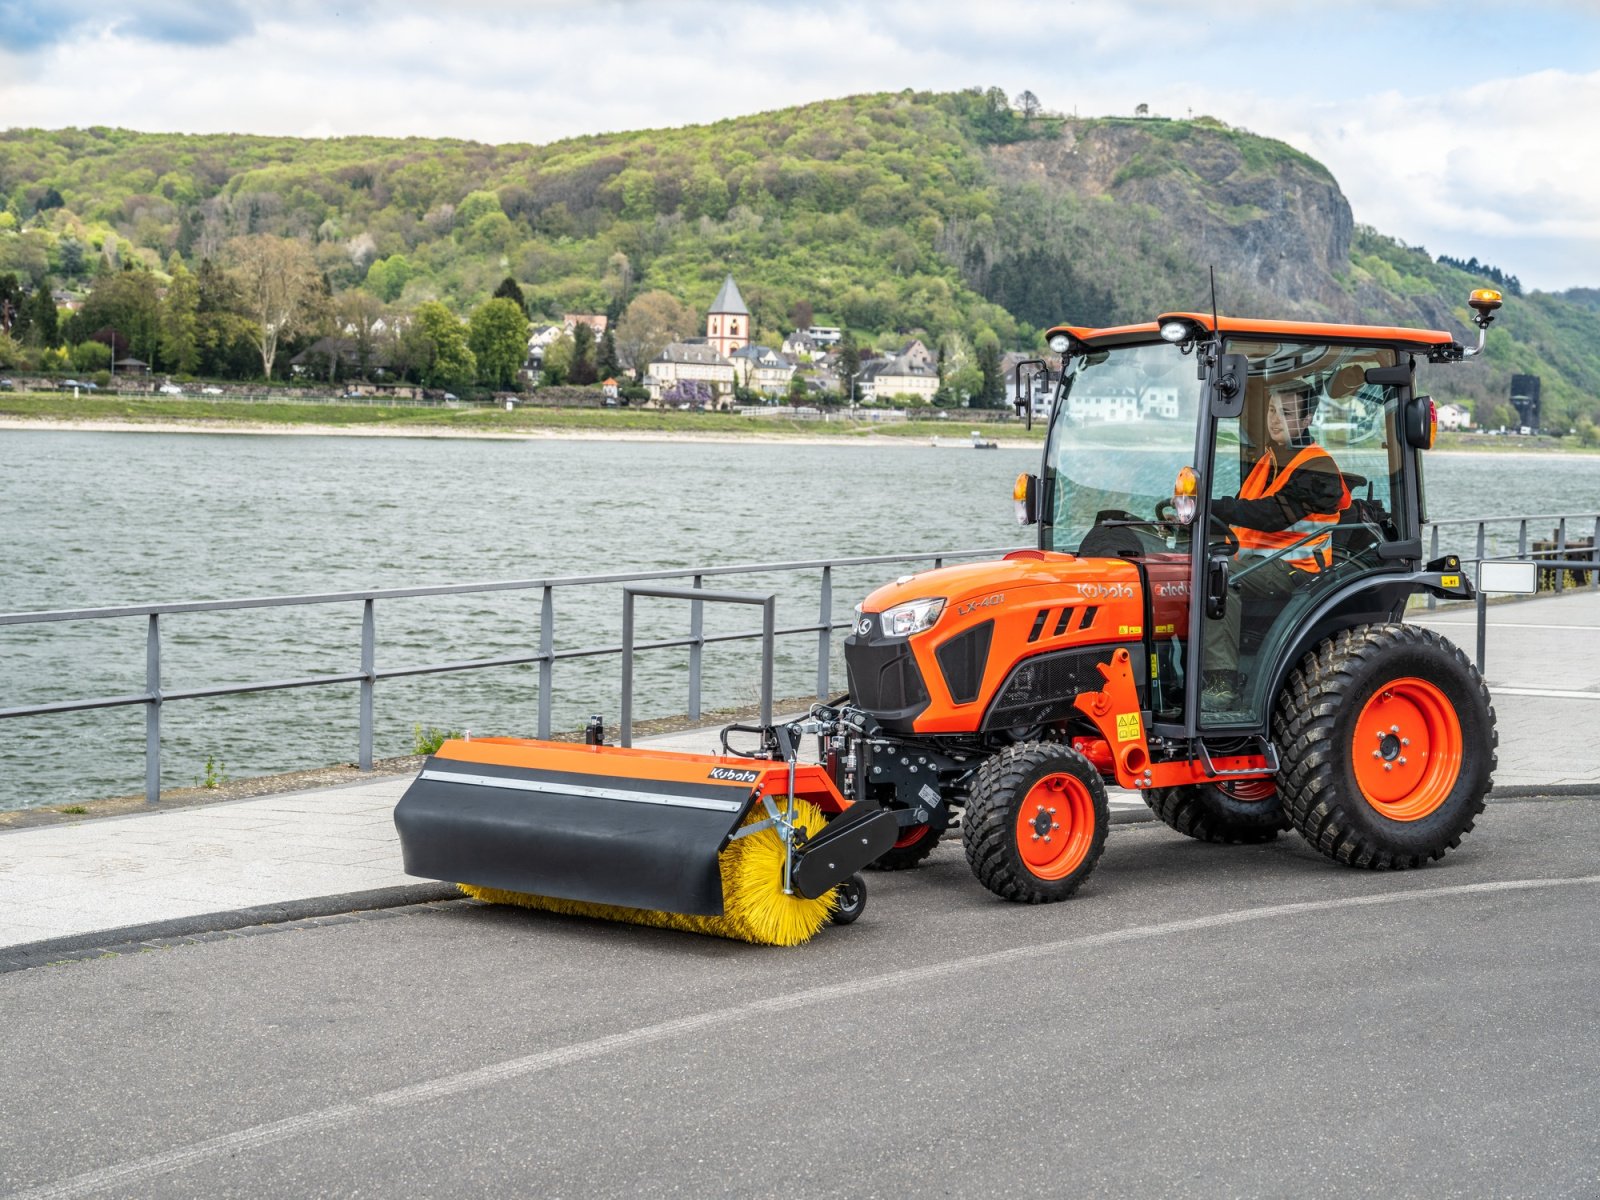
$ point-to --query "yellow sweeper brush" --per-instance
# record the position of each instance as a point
(755, 849)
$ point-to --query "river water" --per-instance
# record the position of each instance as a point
(96, 519)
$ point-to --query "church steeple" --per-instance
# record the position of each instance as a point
(728, 322)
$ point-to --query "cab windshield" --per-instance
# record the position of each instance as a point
(1124, 425)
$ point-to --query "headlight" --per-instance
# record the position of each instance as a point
(912, 617)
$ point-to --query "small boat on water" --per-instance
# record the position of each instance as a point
(978, 442)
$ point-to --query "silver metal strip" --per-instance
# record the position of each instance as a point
(576, 789)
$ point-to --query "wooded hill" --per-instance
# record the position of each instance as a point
(947, 216)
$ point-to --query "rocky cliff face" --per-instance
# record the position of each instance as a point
(1272, 221)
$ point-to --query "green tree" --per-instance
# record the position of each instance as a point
(44, 320)
(91, 356)
(992, 385)
(387, 277)
(180, 321)
(10, 351)
(280, 291)
(509, 289)
(358, 314)
(648, 325)
(582, 371)
(498, 337)
(849, 365)
(447, 359)
(607, 365)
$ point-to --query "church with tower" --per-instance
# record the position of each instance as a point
(728, 322)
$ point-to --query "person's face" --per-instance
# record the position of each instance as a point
(1285, 417)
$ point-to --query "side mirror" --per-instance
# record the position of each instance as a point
(1399, 376)
(1228, 384)
(1024, 396)
(1422, 422)
(1025, 495)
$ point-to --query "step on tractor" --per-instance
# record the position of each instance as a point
(1229, 518)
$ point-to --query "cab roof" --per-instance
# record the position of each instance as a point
(1118, 335)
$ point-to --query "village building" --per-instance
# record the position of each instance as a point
(762, 369)
(728, 322)
(690, 362)
(595, 321)
(884, 379)
(801, 344)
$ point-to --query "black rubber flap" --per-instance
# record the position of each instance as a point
(648, 845)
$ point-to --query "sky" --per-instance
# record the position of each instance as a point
(1472, 130)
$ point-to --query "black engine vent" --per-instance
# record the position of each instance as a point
(962, 659)
(1042, 688)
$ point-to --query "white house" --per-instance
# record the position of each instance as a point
(683, 361)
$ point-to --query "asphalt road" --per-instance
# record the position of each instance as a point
(1207, 1021)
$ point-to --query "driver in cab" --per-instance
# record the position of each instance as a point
(1293, 494)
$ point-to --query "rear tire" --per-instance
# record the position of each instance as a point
(914, 845)
(1035, 822)
(1244, 812)
(1387, 740)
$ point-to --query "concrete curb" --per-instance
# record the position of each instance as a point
(129, 938)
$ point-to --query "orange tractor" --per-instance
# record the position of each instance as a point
(1229, 515)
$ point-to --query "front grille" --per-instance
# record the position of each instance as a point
(962, 659)
(884, 679)
(1042, 688)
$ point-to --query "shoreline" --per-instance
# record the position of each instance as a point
(261, 428)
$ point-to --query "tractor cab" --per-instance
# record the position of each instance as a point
(1264, 479)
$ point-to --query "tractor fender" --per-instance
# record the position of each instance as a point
(1369, 600)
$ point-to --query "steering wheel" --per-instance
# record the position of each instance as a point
(1166, 512)
(1230, 540)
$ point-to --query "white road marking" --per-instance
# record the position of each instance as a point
(1547, 693)
(141, 1170)
(1510, 625)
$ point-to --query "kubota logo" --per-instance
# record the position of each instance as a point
(864, 626)
(1106, 591)
(971, 605)
(733, 775)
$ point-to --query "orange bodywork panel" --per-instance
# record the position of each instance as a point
(767, 777)
(1309, 330)
(1114, 709)
(1038, 601)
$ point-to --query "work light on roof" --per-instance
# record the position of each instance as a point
(1175, 331)
(1060, 343)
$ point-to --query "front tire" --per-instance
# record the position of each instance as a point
(1035, 823)
(1243, 812)
(1387, 740)
(914, 845)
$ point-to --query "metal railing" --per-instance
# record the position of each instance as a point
(1562, 523)
(368, 674)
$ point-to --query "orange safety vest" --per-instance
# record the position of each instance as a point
(1263, 482)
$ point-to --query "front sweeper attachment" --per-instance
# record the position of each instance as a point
(748, 848)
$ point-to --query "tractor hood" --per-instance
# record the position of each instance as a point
(985, 584)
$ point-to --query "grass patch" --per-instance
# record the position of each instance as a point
(50, 406)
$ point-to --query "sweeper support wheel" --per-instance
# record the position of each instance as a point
(1388, 746)
(1036, 822)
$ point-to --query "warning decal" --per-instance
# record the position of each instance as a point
(1127, 727)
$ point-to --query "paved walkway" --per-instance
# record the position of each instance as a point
(59, 881)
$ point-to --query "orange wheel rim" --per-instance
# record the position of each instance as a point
(1407, 749)
(1251, 790)
(1055, 826)
(911, 835)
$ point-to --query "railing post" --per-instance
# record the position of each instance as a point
(1561, 553)
(697, 611)
(1433, 556)
(152, 710)
(769, 624)
(547, 648)
(1594, 555)
(368, 679)
(625, 721)
(825, 634)
(1481, 524)
(1483, 622)
(1522, 538)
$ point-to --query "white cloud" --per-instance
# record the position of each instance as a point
(1512, 159)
